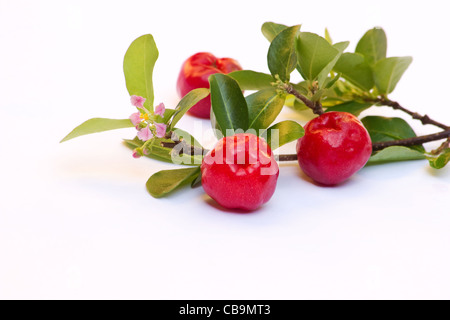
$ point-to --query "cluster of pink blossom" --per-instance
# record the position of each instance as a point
(145, 123)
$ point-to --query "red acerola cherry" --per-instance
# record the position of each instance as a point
(335, 146)
(240, 172)
(195, 73)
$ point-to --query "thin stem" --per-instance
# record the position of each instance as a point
(315, 106)
(376, 146)
(425, 119)
(444, 145)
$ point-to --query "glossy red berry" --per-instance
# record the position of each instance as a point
(335, 146)
(195, 73)
(240, 172)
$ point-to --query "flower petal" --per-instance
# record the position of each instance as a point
(136, 118)
(160, 109)
(137, 101)
(145, 134)
(136, 154)
(160, 130)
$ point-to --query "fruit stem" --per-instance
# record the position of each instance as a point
(315, 106)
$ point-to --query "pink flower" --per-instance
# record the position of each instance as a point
(145, 134)
(136, 118)
(146, 152)
(137, 101)
(160, 130)
(160, 109)
(136, 154)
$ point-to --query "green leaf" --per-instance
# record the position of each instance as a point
(228, 103)
(263, 108)
(167, 116)
(352, 107)
(252, 80)
(271, 29)
(329, 83)
(295, 104)
(314, 53)
(355, 69)
(188, 101)
(440, 161)
(373, 46)
(388, 129)
(286, 131)
(197, 182)
(396, 153)
(98, 125)
(323, 75)
(216, 127)
(164, 182)
(388, 72)
(138, 65)
(328, 36)
(282, 58)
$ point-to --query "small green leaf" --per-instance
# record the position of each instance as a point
(396, 153)
(138, 65)
(283, 133)
(388, 72)
(352, 107)
(282, 58)
(271, 29)
(440, 161)
(328, 36)
(355, 69)
(388, 129)
(329, 83)
(373, 46)
(98, 125)
(164, 182)
(263, 108)
(323, 75)
(197, 182)
(251, 80)
(314, 53)
(228, 103)
(188, 101)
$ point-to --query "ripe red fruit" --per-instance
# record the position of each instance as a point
(195, 73)
(335, 146)
(240, 172)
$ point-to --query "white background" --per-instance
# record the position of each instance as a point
(77, 222)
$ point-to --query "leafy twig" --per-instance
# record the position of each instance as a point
(315, 106)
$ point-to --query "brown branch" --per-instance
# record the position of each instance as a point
(377, 146)
(425, 119)
(286, 157)
(444, 145)
(416, 141)
(315, 106)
